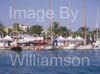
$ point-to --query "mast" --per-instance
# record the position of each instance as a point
(69, 20)
(51, 35)
(84, 17)
(16, 25)
(97, 23)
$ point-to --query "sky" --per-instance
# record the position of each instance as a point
(76, 11)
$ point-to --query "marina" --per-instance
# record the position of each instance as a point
(49, 37)
(22, 38)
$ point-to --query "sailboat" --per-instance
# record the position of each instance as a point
(84, 25)
(85, 46)
(69, 45)
(50, 47)
(16, 47)
(97, 43)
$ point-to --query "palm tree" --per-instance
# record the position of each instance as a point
(17, 28)
(10, 30)
(59, 30)
(63, 31)
(93, 32)
(2, 29)
(80, 31)
(55, 28)
(36, 29)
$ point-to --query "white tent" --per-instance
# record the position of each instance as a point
(6, 41)
(22, 41)
(70, 38)
(34, 38)
(27, 39)
(79, 38)
(7, 38)
(39, 38)
(60, 38)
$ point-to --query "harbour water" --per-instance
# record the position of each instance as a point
(75, 63)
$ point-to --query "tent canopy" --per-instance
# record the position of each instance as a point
(70, 38)
(79, 38)
(7, 38)
(60, 38)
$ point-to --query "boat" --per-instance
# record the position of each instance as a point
(70, 46)
(16, 47)
(97, 42)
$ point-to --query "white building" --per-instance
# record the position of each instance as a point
(25, 27)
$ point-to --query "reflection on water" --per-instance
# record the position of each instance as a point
(6, 66)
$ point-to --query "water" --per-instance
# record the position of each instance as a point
(93, 67)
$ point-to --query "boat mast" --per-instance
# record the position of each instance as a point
(84, 17)
(69, 20)
(51, 35)
(97, 23)
(16, 25)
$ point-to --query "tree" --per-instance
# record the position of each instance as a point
(94, 33)
(2, 26)
(10, 30)
(55, 28)
(17, 28)
(2, 29)
(63, 31)
(36, 29)
(59, 30)
(80, 31)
